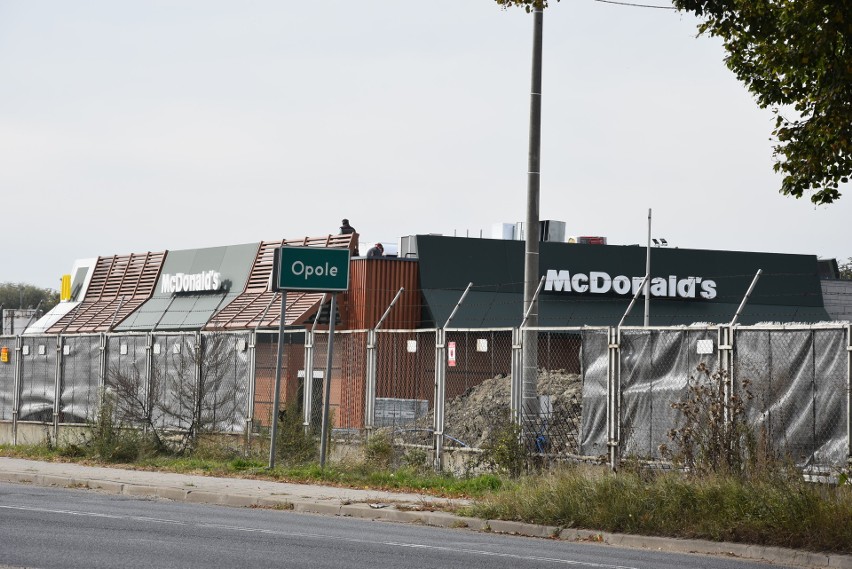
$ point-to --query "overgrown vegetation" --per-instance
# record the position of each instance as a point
(505, 451)
(713, 437)
(775, 511)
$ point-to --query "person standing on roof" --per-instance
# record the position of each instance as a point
(378, 250)
(346, 229)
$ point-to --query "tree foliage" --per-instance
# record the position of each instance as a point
(794, 56)
(528, 5)
(21, 295)
(846, 270)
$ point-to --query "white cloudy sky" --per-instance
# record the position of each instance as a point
(131, 127)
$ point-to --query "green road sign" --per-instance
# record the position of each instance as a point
(316, 269)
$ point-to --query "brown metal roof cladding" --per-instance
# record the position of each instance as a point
(260, 307)
(120, 284)
(373, 285)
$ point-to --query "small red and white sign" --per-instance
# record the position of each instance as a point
(451, 354)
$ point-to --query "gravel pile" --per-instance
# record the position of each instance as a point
(471, 417)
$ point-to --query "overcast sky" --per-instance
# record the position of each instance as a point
(146, 126)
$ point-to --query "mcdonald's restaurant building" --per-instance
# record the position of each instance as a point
(229, 289)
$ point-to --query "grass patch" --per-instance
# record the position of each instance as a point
(780, 511)
(772, 507)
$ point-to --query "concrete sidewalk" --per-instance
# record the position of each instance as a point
(362, 503)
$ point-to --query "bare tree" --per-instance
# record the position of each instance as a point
(193, 388)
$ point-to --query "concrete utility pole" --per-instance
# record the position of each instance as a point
(531, 256)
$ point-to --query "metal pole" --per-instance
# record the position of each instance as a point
(531, 257)
(746, 297)
(370, 387)
(535, 297)
(277, 397)
(57, 388)
(647, 285)
(458, 305)
(327, 390)
(388, 309)
(19, 370)
(30, 320)
(252, 379)
(645, 280)
(308, 379)
(612, 398)
(117, 310)
(308, 383)
(849, 394)
(439, 397)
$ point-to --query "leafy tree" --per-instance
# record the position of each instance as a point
(527, 4)
(21, 295)
(795, 56)
(846, 269)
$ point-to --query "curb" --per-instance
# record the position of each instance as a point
(778, 555)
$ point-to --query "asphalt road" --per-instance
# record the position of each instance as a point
(50, 528)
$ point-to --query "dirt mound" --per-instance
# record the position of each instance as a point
(471, 417)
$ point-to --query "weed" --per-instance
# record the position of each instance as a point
(504, 449)
(379, 451)
(713, 438)
(294, 446)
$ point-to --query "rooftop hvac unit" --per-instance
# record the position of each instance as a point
(549, 230)
(506, 231)
(408, 247)
(552, 231)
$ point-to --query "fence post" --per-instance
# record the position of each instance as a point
(252, 382)
(198, 355)
(516, 387)
(57, 387)
(849, 394)
(372, 372)
(613, 396)
(16, 405)
(308, 383)
(102, 371)
(440, 394)
(148, 401)
(725, 366)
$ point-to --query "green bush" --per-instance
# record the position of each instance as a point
(504, 450)
(294, 446)
(379, 452)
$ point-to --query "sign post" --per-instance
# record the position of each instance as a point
(307, 269)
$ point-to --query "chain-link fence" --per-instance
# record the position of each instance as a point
(127, 378)
(38, 378)
(8, 375)
(795, 382)
(405, 386)
(348, 377)
(81, 378)
(601, 392)
(292, 376)
(655, 366)
(553, 433)
(478, 386)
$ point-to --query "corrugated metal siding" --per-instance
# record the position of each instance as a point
(258, 306)
(120, 284)
(372, 285)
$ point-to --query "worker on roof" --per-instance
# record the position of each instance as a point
(346, 229)
(378, 250)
